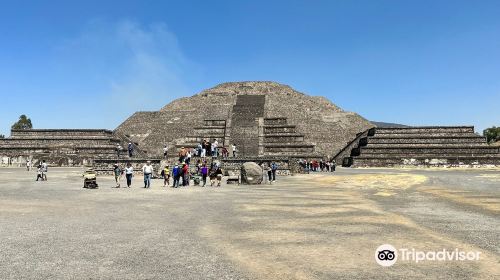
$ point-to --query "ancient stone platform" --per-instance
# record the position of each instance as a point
(63, 147)
(432, 146)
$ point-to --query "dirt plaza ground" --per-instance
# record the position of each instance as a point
(316, 226)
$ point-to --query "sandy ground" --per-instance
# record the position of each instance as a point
(317, 226)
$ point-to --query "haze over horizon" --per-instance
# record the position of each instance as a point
(89, 64)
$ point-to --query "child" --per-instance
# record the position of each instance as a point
(218, 173)
(166, 176)
(213, 177)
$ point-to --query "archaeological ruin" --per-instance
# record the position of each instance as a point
(266, 121)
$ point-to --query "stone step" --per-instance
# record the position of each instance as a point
(52, 147)
(288, 129)
(426, 129)
(214, 122)
(430, 150)
(427, 145)
(213, 127)
(52, 142)
(60, 132)
(424, 135)
(427, 140)
(47, 137)
(199, 139)
(284, 139)
(275, 121)
(384, 162)
(429, 155)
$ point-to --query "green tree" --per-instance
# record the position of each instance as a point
(492, 134)
(23, 123)
(2, 136)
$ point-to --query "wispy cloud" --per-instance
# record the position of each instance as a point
(133, 66)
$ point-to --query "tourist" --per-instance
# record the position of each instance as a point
(199, 148)
(148, 172)
(188, 157)
(129, 173)
(269, 173)
(204, 174)
(233, 146)
(182, 154)
(218, 174)
(45, 168)
(118, 150)
(166, 175)
(203, 149)
(28, 165)
(39, 173)
(225, 153)
(208, 147)
(212, 176)
(185, 175)
(165, 151)
(215, 147)
(334, 165)
(176, 173)
(130, 149)
(118, 174)
(274, 167)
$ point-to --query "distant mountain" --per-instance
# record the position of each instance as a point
(385, 124)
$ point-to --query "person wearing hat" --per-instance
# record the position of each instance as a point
(148, 172)
(118, 174)
(166, 175)
(176, 172)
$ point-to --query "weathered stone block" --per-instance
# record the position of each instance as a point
(251, 173)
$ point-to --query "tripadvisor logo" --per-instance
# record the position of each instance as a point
(387, 255)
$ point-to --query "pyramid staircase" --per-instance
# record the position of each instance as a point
(282, 139)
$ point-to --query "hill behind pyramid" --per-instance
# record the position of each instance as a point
(261, 118)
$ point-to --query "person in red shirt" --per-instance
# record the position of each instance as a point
(185, 174)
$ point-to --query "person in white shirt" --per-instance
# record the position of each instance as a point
(165, 151)
(45, 168)
(148, 172)
(188, 156)
(129, 173)
(233, 146)
(215, 152)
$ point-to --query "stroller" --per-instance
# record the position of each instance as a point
(90, 179)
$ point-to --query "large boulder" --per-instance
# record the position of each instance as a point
(251, 173)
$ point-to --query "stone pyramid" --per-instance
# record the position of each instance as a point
(261, 118)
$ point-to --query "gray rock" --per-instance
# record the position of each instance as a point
(251, 173)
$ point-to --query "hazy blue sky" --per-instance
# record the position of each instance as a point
(91, 64)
